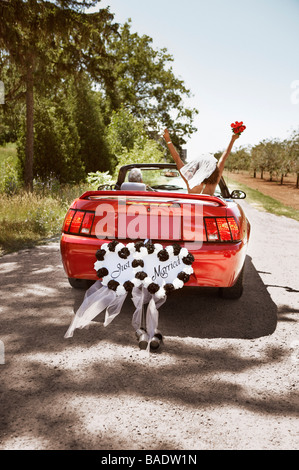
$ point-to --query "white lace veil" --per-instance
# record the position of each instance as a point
(199, 169)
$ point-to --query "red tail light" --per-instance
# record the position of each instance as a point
(211, 229)
(78, 222)
(222, 229)
(68, 219)
(234, 228)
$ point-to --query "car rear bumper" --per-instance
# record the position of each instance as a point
(215, 264)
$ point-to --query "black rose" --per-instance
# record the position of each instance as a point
(141, 275)
(182, 276)
(176, 249)
(153, 288)
(139, 245)
(100, 255)
(163, 255)
(102, 272)
(128, 285)
(137, 262)
(113, 285)
(124, 253)
(188, 259)
(112, 245)
(168, 288)
(150, 247)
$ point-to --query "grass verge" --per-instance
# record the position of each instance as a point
(263, 202)
(28, 219)
(9, 151)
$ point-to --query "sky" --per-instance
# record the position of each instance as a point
(239, 59)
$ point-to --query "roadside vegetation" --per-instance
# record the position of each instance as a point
(264, 202)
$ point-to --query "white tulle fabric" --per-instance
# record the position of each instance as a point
(99, 298)
(199, 169)
(140, 297)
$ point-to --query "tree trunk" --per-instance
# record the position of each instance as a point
(254, 174)
(297, 183)
(262, 174)
(28, 170)
(281, 179)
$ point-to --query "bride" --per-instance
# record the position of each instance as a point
(204, 173)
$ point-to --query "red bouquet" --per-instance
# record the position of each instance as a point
(238, 127)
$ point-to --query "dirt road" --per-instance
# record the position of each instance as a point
(225, 378)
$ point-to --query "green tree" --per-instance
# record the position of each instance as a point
(49, 40)
(294, 153)
(124, 131)
(56, 141)
(148, 152)
(94, 150)
(257, 159)
(11, 110)
(145, 82)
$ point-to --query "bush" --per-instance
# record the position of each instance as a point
(9, 180)
(97, 178)
(149, 152)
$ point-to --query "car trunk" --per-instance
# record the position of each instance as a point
(158, 216)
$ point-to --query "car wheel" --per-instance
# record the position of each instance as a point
(80, 283)
(235, 291)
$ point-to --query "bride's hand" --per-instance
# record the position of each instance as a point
(166, 135)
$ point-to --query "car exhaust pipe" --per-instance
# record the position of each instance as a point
(143, 338)
(156, 340)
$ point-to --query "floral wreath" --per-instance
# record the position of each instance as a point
(139, 250)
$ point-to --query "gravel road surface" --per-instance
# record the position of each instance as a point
(226, 376)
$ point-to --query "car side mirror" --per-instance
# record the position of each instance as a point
(238, 194)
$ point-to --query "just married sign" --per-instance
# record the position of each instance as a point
(148, 271)
(149, 265)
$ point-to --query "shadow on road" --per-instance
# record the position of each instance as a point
(52, 385)
(199, 312)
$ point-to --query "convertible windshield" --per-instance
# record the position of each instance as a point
(166, 180)
(163, 180)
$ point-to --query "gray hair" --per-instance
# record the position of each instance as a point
(135, 176)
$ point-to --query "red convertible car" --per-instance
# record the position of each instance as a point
(214, 229)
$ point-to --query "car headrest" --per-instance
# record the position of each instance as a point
(133, 187)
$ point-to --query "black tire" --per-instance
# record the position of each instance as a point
(234, 292)
(80, 283)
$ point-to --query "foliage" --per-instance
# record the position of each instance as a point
(124, 131)
(48, 41)
(56, 142)
(27, 218)
(12, 108)
(94, 151)
(148, 152)
(274, 156)
(9, 180)
(98, 178)
(51, 56)
(145, 82)
(238, 160)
